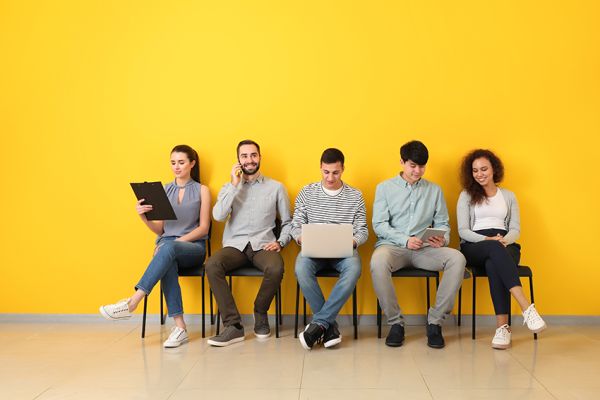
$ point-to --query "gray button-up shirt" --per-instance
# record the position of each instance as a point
(402, 210)
(252, 208)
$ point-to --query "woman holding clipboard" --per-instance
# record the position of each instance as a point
(180, 243)
(488, 225)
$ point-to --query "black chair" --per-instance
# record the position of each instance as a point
(251, 271)
(523, 271)
(326, 273)
(411, 272)
(187, 272)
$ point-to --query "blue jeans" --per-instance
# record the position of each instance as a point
(169, 257)
(325, 312)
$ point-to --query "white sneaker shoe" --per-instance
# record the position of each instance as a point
(119, 310)
(534, 322)
(501, 339)
(177, 337)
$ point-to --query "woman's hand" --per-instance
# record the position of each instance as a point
(499, 238)
(142, 208)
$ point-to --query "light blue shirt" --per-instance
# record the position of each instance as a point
(402, 210)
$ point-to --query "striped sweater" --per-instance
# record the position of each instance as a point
(314, 206)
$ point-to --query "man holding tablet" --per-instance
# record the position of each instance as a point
(329, 201)
(404, 208)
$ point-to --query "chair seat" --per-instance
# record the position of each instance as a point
(328, 273)
(246, 270)
(415, 273)
(523, 271)
(193, 271)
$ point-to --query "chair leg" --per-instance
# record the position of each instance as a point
(304, 308)
(378, 320)
(509, 317)
(459, 304)
(355, 314)
(532, 300)
(162, 315)
(277, 294)
(203, 309)
(212, 315)
(474, 304)
(144, 317)
(297, 306)
(428, 297)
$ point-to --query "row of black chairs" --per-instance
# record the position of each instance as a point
(250, 271)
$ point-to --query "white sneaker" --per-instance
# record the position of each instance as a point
(177, 337)
(119, 310)
(501, 339)
(534, 322)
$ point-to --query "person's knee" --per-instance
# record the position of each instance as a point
(354, 270)
(380, 263)
(214, 268)
(302, 270)
(274, 271)
(456, 261)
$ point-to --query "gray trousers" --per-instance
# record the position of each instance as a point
(387, 259)
(230, 258)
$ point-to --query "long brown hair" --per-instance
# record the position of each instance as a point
(192, 156)
(472, 187)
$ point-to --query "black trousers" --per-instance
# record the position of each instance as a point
(500, 264)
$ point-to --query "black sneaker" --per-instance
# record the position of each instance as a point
(434, 336)
(396, 336)
(332, 336)
(311, 335)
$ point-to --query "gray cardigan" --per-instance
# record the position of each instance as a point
(465, 213)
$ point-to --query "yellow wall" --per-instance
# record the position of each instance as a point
(93, 94)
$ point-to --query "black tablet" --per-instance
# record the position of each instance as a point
(154, 194)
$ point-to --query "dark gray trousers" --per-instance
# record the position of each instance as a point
(230, 258)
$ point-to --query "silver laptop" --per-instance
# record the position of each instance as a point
(327, 240)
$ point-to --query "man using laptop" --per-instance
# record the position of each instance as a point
(404, 207)
(251, 201)
(329, 201)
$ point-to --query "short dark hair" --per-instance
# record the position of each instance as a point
(244, 142)
(414, 151)
(331, 156)
(472, 187)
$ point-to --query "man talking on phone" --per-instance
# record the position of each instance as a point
(405, 206)
(249, 203)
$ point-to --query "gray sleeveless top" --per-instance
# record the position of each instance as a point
(188, 212)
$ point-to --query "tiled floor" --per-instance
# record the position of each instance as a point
(106, 360)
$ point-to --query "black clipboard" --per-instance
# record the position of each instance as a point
(154, 194)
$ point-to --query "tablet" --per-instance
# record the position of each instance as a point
(154, 194)
(429, 232)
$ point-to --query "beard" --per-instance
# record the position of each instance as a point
(253, 168)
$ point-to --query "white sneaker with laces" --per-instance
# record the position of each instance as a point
(534, 322)
(117, 311)
(177, 337)
(501, 339)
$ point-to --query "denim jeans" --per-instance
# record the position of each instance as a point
(325, 312)
(169, 257)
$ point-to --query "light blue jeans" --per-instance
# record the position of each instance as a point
(325, 312)
(169, 257)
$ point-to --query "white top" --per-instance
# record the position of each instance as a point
(491, 213)
(332, 192)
